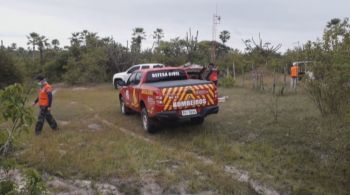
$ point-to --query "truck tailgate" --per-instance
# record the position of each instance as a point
(187, 94)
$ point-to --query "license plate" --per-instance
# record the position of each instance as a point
(188, 112)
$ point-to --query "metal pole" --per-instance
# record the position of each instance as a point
(234, 70)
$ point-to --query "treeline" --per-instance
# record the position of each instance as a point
(90, 58)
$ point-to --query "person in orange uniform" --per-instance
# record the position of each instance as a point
(213, 74)
(294, 71)
(45, 101)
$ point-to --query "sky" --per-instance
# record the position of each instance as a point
(289, 22)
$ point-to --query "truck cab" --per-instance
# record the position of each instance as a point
(124, 76)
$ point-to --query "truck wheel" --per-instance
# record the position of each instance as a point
(197, 120)
(147, 123)
(116, 83)
(123, 109)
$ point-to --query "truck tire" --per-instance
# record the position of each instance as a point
(148, 124)
(197, 120)
(116, 83)
(123, 108)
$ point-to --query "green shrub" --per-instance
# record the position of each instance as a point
(87, 68)
(16, 113)
(34, 183)
(330, 89)
(9, 73)
(227, 81)
(7, 164)
(7, 187)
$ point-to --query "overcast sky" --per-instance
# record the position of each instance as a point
(278, 21)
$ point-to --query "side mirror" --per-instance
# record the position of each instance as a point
(121, 83)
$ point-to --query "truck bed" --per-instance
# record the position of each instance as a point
(177, 83)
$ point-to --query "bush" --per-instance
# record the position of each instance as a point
(9, 73)
(88, 68)
(7, 187)
(227, 81)
(15, 113)
(34, 184)
(54, 68)
(330, 89)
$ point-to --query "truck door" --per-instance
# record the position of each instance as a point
(134, 90)
(128, 90)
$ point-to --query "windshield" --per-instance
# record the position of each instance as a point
(132, 69)
(165, 75)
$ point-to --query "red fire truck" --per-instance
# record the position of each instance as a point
(167, 94)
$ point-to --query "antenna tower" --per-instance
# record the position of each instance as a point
(216, 21)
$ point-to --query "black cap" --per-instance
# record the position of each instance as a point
(39, 78)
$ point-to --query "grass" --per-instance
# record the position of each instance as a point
(107, 154)
(301, 153)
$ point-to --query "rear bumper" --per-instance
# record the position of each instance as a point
(173, 115)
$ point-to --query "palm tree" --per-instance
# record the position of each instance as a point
(42, 43)
(74, 40)
(158, 34)
(138, 35)
(91, 39)
(55, 43)
(33, 41)
(13, 46)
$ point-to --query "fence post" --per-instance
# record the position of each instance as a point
(254, 77)
(274, 81)
(285, 76)
(234, 70)
(242, 76)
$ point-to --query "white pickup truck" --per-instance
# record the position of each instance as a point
(124, 76)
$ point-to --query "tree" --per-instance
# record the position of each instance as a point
(191, 45)
(330, 89)
(16, 113)
(74, 40)
(42, 44)
(9, 73)
(91, 39)
(33, 41)
(118, 57)
(261, 51)
(224, 36)
(87, 60)
(335, 32)
(55, 43)
(13, 46)
(138, 35)
(158, 34)
(336, 39)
